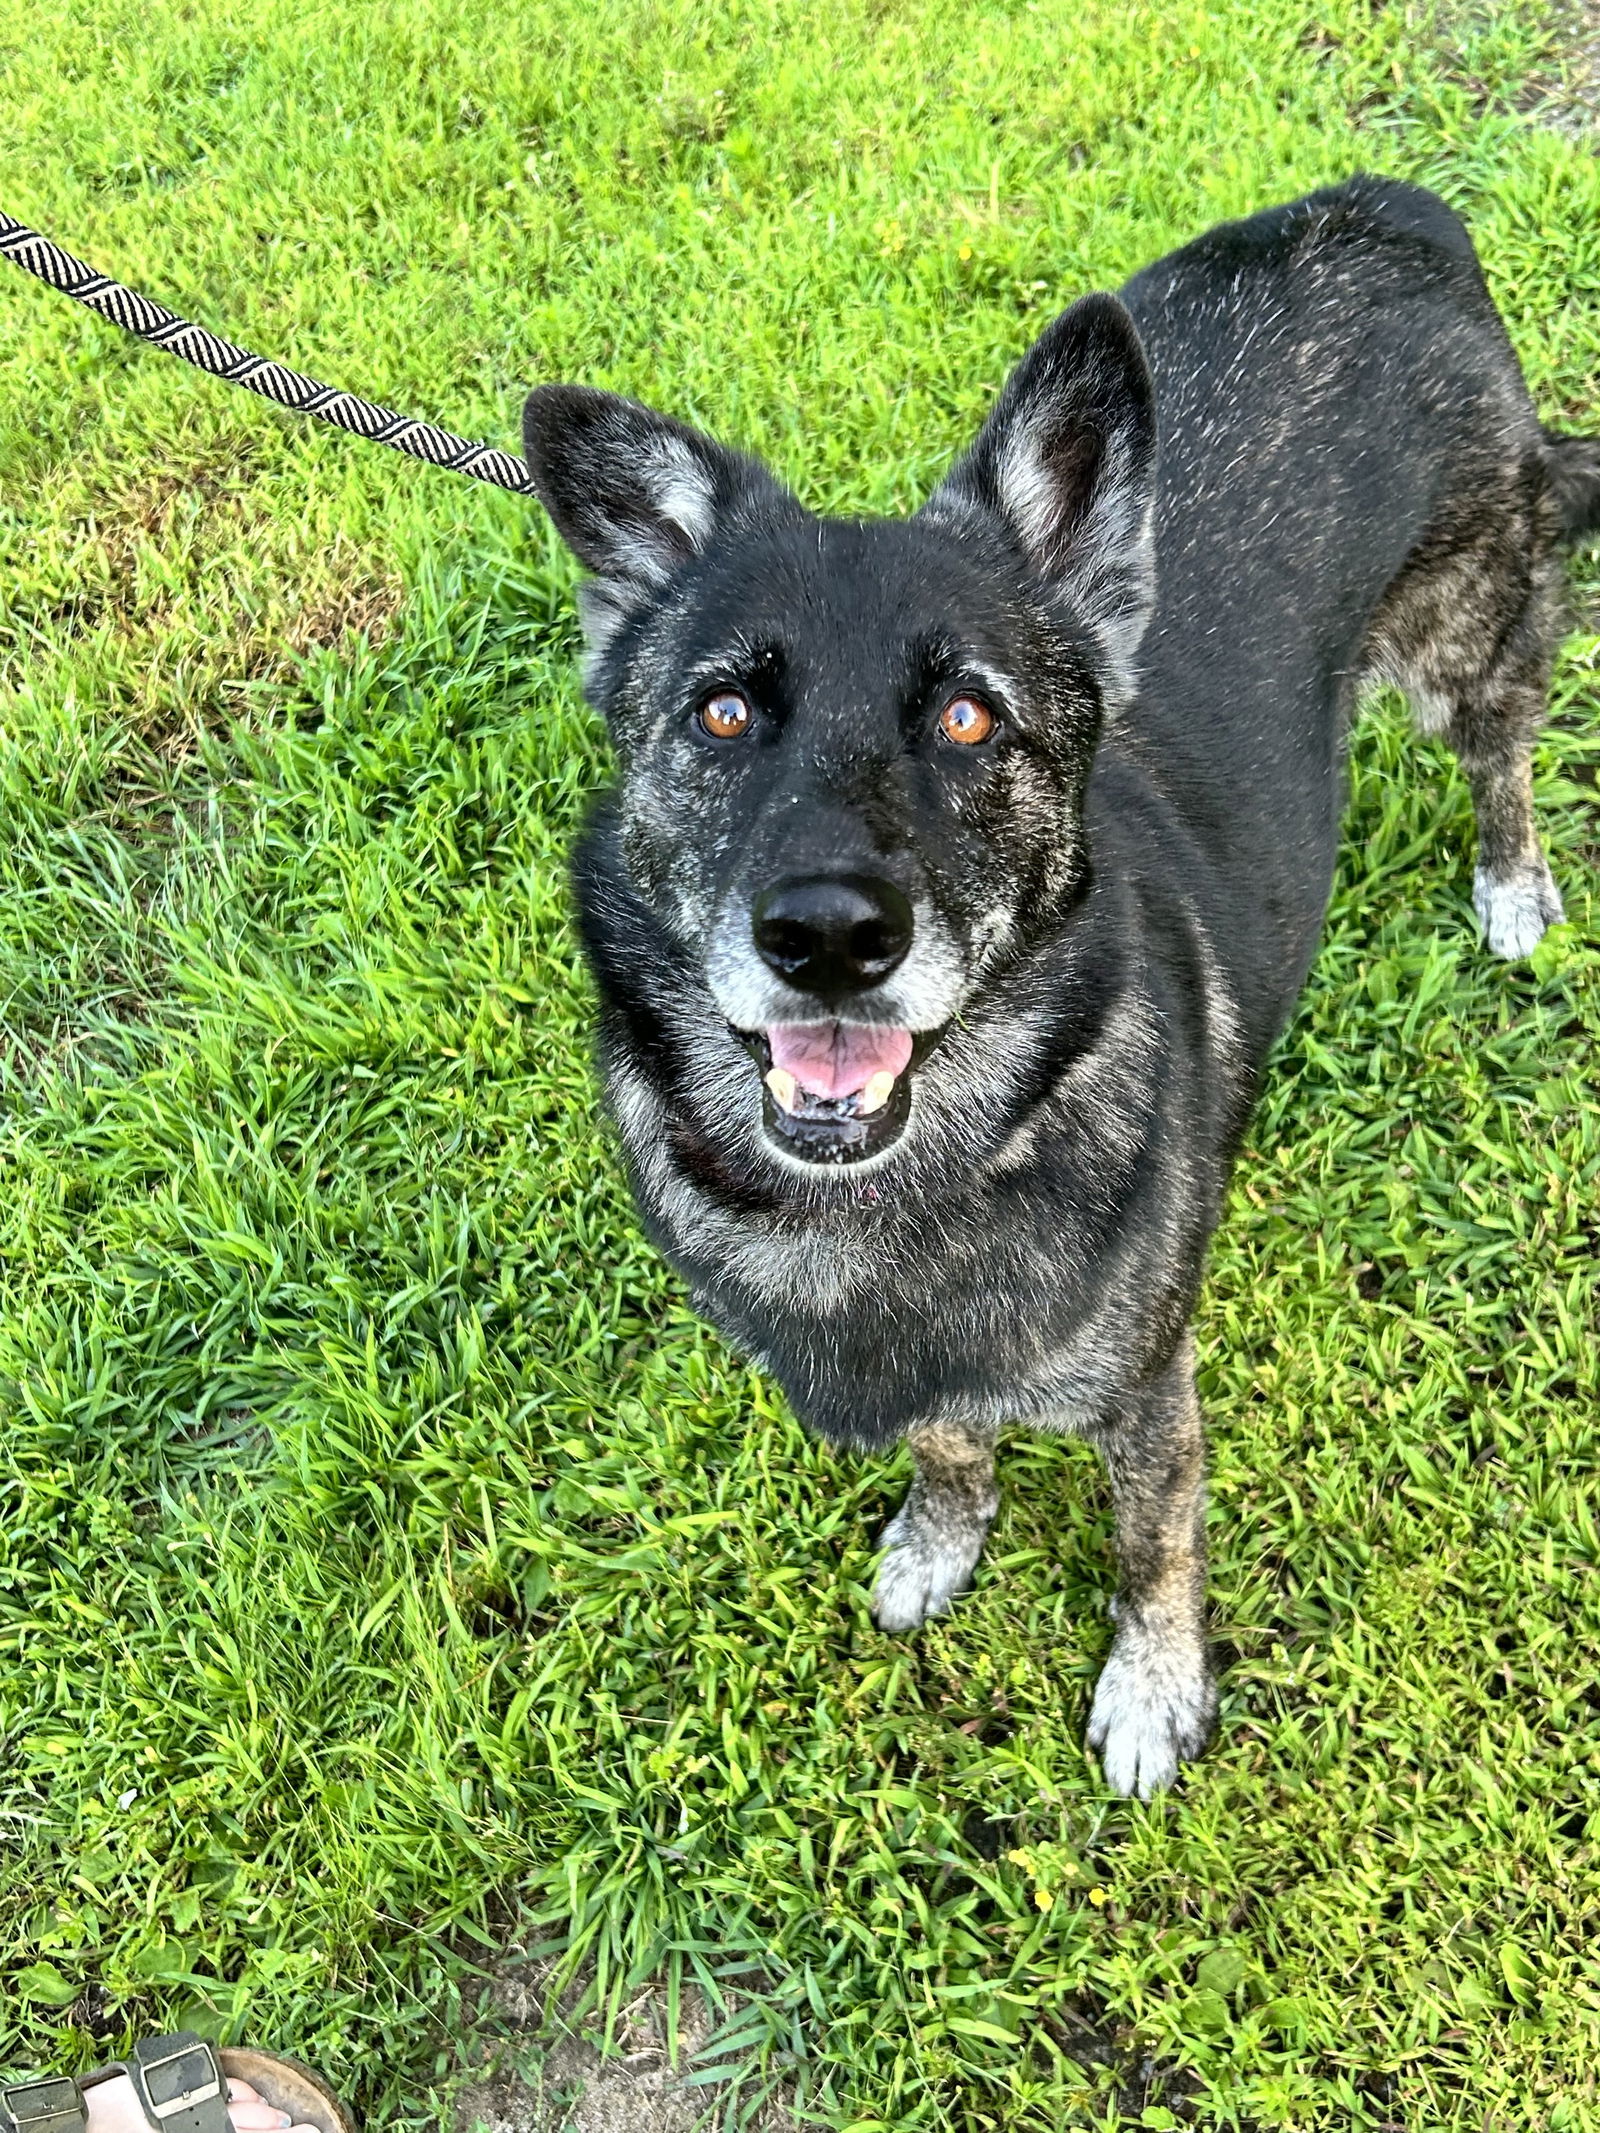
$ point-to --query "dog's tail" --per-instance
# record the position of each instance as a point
(1574, 464)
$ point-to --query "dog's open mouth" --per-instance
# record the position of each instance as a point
(836, 1092)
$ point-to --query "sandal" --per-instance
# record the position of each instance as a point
(290, 2087)
(181, 2084)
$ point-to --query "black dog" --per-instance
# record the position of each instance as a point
(960, 872)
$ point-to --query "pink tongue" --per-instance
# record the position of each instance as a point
(838, 1058)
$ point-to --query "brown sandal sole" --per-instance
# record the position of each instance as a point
(289, 2086)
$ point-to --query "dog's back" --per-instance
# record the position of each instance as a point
(1352, 480)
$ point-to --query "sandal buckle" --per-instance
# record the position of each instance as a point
(201, 2091)
(48, 2106)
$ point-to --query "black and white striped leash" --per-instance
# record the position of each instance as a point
(273, 381)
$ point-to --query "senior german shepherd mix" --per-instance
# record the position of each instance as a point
(961, 871)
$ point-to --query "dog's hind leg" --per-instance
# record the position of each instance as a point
(1469, 631)
(935, 1538)
(1155, 1702)
(1494, 716)
(1492, 730)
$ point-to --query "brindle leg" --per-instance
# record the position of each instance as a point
(1155, 1702)
(935, 1538)
(1492, 730)
(1470, 634)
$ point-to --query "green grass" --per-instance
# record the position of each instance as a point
(391, 1569)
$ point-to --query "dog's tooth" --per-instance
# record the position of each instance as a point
(784, 1088)
(876, 1094)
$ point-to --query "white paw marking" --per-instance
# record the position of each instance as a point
(1515, 910)
(922, 1572)
(1154, 1705)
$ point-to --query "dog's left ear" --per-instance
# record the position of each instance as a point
(633, 494)
(1067, 462)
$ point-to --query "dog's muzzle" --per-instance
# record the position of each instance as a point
(836, 1086)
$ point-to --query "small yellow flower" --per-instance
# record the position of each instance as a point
(1043, 1898)
(1099, 1897)
(965, 252)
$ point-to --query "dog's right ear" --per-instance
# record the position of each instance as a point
(633, 494)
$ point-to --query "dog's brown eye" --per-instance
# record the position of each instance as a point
(725, 716)
(966, 720)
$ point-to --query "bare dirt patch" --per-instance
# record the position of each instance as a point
(186, 589)
(1562, 93)
(360, 606)
(1569, 98)
(578, 2089)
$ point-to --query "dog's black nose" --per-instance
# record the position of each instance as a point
(832, 934)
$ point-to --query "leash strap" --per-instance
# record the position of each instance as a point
(162, 328)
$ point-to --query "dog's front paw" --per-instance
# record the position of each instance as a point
(926, 1566)
(1515, 909)
(1154, 1706)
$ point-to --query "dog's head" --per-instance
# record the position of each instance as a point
(852, 755)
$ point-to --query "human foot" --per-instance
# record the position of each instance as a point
(112, 2107)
